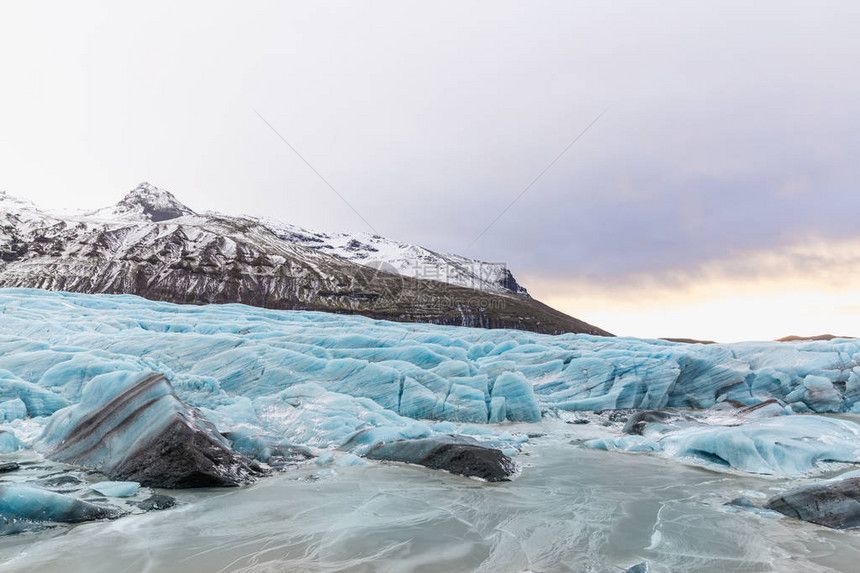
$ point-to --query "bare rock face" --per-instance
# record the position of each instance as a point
(182, 456)
(456, 454)
(834, 503)
(132, 427)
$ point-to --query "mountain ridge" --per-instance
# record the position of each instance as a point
(152, 245)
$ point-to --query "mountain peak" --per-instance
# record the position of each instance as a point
(153, 203)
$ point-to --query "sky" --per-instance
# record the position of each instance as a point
(715, 196)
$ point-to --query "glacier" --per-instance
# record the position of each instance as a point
(119, 396)
(116, 488)
(238, 361)
(316, 379)
(168, 395)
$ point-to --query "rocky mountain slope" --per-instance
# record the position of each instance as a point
(403, 258)
(150, 244)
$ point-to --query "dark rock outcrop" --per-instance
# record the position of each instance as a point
(183, 456)
(742, 502)
(834, 503)
(60, 484)
(157, 502)
(8, 467)
(132, 427)
(637, 422)
(456, 454)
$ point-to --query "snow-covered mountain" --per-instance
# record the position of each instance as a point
(152, 245)
(408, 260)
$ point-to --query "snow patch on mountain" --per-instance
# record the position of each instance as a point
(405, 259)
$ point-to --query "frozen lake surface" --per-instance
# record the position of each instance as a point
(572, 509)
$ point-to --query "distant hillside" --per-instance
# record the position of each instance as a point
(689, 341)
(818, 337)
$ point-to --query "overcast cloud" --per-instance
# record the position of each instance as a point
(730, 127)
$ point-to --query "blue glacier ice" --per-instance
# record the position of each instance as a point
(116, 488)
(764, 440)
(350, 460)
(275, 452)
(268, 383)
(22, 503)
(14, 409)
(37, 401)
(9, 443)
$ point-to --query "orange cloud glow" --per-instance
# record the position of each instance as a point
(809, 288)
